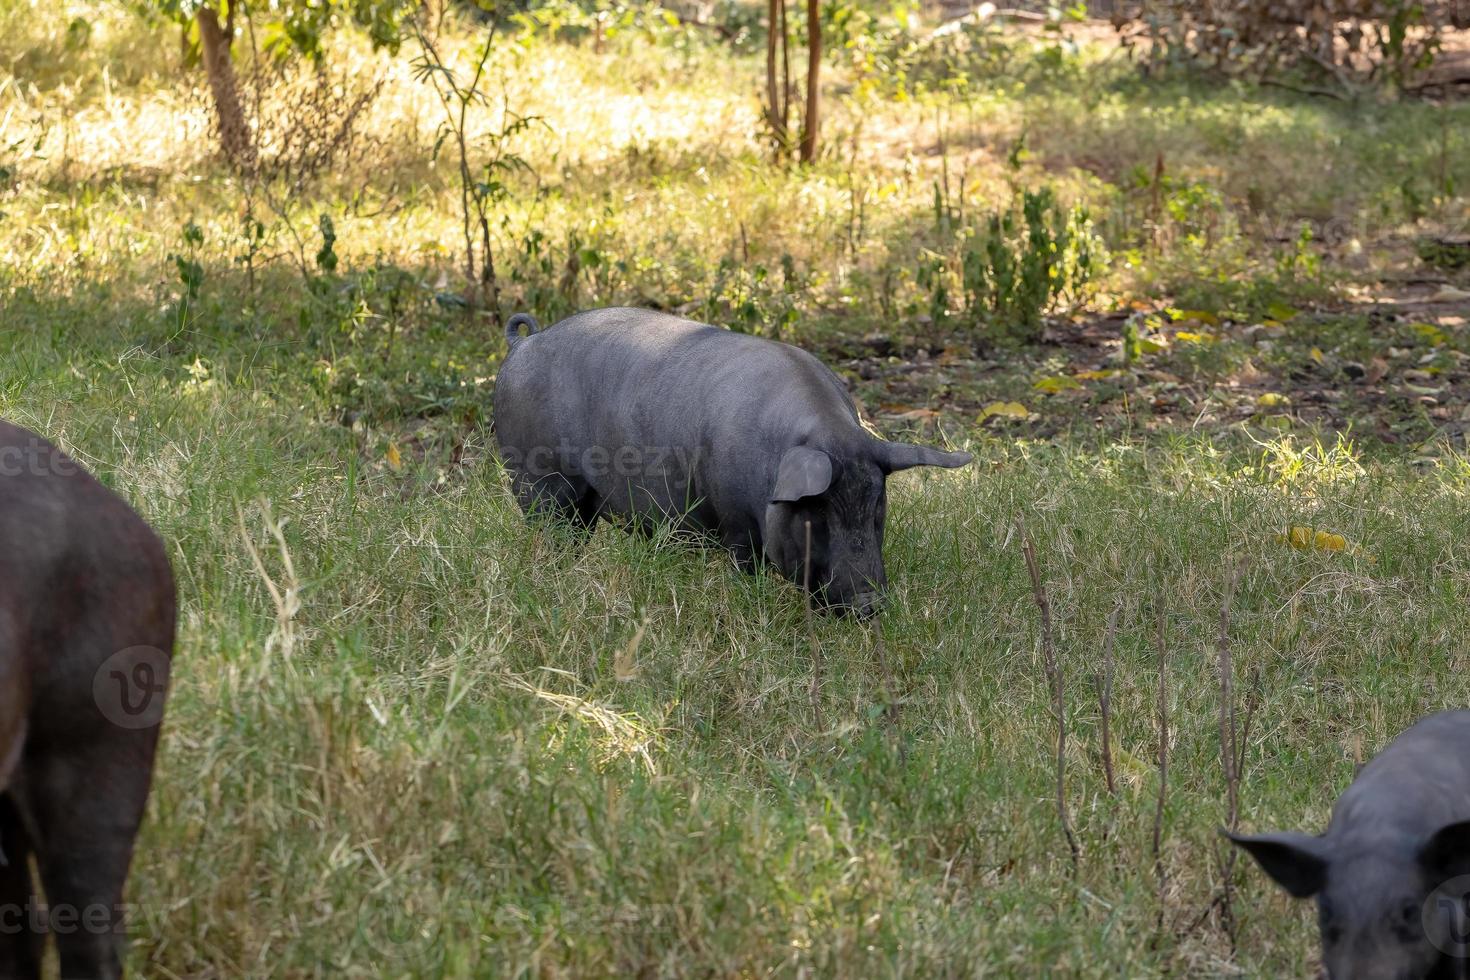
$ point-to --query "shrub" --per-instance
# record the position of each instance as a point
(1018, 264)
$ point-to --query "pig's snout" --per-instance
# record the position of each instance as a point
(863, 605)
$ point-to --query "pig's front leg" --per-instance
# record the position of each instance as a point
(742, 549)
(556, 496)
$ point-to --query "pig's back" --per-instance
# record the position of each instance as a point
(1420, 781)
(617, 343)
(624, 375)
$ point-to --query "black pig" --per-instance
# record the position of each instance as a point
(1389, 872)
(86, 634)
(644, 416)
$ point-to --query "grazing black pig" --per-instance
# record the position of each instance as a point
(1389, 872)
(86, 633)
(645, 416)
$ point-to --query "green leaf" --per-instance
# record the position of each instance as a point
(1199, 316)
(1055, 383)
(1281, 312)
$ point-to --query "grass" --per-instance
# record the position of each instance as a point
(462, 744)
(411, 734)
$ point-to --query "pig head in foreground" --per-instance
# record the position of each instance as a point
(632, 414)
(1389, 875)
(86, 633)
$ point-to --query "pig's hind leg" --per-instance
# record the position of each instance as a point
(21, 943)
(86, 798)
(88, 764)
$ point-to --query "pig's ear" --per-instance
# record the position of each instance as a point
(1448, 851)
(804, 472)
(895, 456)
(1297, 862)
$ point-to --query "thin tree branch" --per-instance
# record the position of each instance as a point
(1105, 697)
(1059, 698)
(1160, 872)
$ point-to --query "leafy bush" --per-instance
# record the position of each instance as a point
(751, 300)
(1010, 268)
(1027, 265)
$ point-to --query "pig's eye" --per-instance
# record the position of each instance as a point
(1410, 926)
(1331, 934)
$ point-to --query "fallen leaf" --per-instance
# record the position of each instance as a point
(1056, 383)
(1199, 316)
(1196, 338)
(1312, 539)
(1249, 373)
(913, 415)
(1272, 399)
(1282, 312)
(1317, 354)
(1432, 333)
(395, 459)
(1005, 410)
(1377, 371)
(1097, 375)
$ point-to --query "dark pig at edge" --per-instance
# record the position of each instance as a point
(87, 612)
(1389, 873)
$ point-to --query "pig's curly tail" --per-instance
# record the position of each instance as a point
(513, 328)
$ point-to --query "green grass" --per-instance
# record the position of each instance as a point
(411, 734)
(463, 744)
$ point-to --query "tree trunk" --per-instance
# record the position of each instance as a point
(233, 133)
(813, 67)
(785, 73)
(773, 94)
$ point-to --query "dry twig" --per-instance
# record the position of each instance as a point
(1059, 695)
